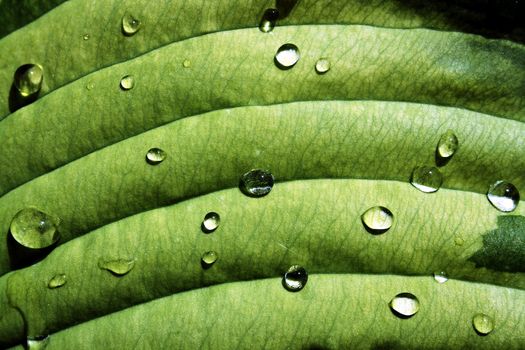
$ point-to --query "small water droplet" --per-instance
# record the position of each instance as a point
(211, 222)
(256, 183)
(459, 241)
(322, 66)
(37, 343)
(426, 179)
(209, 258)
(268, 20)
(404, 305)
(504, 196)
(295, 278)
(447, 145)
(90, 85)
(130, 25)
(28, 79)
(34, 229)
(85, 37)
(118, 267)
(440, 277)
(287, 56)
(186, 63)
(57, 281)
(127, 82)
(483, 324)
(155, 156)
(377, 219)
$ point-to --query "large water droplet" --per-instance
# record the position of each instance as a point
(483, 324)
(504, 196)
(209, 258)
(256, 183)
(295, 278)
(37, 343)
(268, 20)
(130, 25)
(322, 66)
(211, 222)
(426, 179)
(440, 277)
(118, 267)
(404, 305)
(287, 56)
(155, 156)
(28, 79)
(447, 145)
(127, 82)
(35, 229)
(377, 219)
(57, 281)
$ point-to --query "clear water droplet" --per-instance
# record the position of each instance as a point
(130, 25)
(28, 79)
(37, 343)
(90, 85)
(186, 63)
(155, 156)
(209, 258)
(127, 82)
(377, 220)
(57, 281)
(256, 183)
(440, 277)
(483, 324)
(85, 37)
(269, 20)
(287, 56)
(295, 278)
(426, 179)
(447, 145)
(404, 305)
(459, 241)
(211, 222)
(322, 66)
(504, 196)
(35, 229)
(118, 267)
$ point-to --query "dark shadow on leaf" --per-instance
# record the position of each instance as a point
(20, 256)
(285, 7)
(17, 101)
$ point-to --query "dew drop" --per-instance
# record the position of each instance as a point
(377, 220)
(209, 258)
(440, 277)
(37, 343)
(482, 324)
(28, 79)
(447, 145)
(504, 196)
(459, 241)
(322, 66)
(57, 281)
(34, 229)
(90, 85)
(186, 63)
(268, 20)
(85, 37)
(118, 267)
(426, 179)
(404, 305)
(130, 25)
(295, 278)
(127, 82)
(155, 156)
(287, 56)
(211, 222)
(256, 183)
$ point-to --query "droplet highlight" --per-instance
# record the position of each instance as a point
(34, 229)
(209, 258)
(322, 66)
(447, 145)
(426, 179)
(287, 56)
(295, 278)
(377, 220)
(127, 82)
(483, 324)
(440, 277)
(118, 267)
(130, 25)
(155, 156)
(57, 281)
(269, 20)
(504, 196)
(211, 222)
(37, 343)
(28, 79)
(404, 305)
(85, 37)
(256, 183)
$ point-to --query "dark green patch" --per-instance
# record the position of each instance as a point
(503, 248)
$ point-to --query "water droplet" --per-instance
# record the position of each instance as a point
(287, 56)
(504, 196)
(440, 277)
(127, 82)
(295, 278)
(90, 85)
(118, 267)
(155, 156)
(28, 79)
(211, 222)
(377, 219)
(268, 20)
(130, 25)
(459, 241)
(404, 305)
(426, 179)
(35, 229)
(37, 343)
(57, 281)
(322, 66)
(186, 63)
(85, 37)
(256, 183)
(209, 258)
(448, 145)
(483, 324)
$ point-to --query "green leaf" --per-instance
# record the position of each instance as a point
(17, 13)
